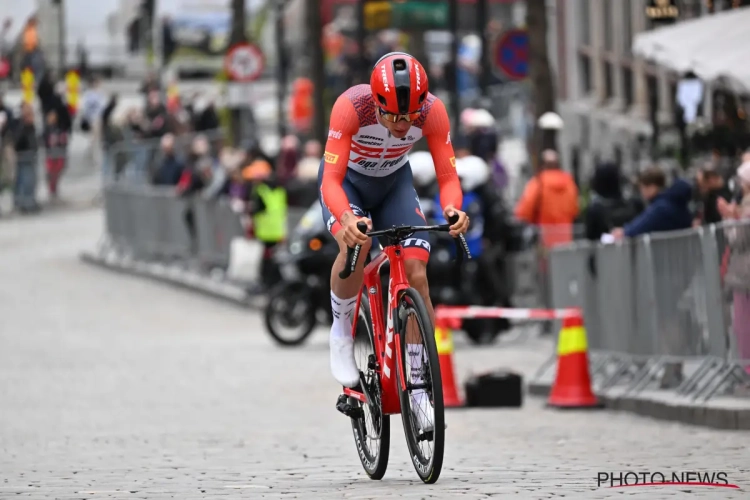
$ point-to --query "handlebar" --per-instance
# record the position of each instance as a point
(401, 233)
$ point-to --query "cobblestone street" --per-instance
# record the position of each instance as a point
(114, 387)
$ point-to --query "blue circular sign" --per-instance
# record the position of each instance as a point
(512, 54)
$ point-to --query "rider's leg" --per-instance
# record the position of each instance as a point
(343, 299)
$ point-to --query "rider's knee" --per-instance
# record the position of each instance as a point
(416, 273)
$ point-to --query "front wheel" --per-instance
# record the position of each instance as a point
(372, 429)
(422, 410)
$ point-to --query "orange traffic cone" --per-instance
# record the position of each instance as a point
(572, 387)
(444, 341)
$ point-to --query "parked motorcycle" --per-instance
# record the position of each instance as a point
(302, 298)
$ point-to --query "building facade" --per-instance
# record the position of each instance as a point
(611, 101)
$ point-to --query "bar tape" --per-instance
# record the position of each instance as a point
(451, 312)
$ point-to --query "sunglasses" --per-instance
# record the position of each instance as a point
(395, 118)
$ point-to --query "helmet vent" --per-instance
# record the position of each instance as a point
(383, 101)
(422, 97)
(399, 65)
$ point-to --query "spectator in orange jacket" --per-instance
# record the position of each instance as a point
(550, 200)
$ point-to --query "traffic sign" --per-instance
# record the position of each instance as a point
(244, 62)
(511, 55)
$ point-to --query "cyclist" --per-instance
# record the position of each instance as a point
(365, 171)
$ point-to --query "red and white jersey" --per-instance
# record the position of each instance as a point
(357, 141)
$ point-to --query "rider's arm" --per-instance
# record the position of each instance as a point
(437, 129)
(344, 124)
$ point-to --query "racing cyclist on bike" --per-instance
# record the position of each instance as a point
(365, 171)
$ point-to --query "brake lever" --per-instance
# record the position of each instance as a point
(352, 255)
(461, 246)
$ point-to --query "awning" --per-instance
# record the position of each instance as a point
(713, 47)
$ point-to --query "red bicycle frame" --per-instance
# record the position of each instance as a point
(386, 336)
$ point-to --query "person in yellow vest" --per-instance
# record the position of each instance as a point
(268, 209)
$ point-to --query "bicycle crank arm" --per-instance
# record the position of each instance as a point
(344, 406)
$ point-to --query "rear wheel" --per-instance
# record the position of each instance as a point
(372, 429)
(422, 410)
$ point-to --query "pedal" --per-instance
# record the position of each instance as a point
(344, 406)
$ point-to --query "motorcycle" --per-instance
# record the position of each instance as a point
(301, 300)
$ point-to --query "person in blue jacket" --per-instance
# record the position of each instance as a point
(668, 207)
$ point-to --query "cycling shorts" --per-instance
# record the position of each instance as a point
(387, 201)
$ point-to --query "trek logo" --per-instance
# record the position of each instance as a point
(330, 157)
(334, 134)
(419, 81)
(390, 163)
(453, 161)
(385, 78)
(368, 163)
(331, 222)
(417, 242)
(389, 335)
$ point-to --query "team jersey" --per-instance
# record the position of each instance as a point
(357, 141)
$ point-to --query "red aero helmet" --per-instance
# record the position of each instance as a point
(399, 83)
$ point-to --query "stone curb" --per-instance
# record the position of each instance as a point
(185, 280)
(693, 414)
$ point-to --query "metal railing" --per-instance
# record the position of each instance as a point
(659, 304)
(152, 223)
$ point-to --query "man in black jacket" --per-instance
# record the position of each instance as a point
(26, 144)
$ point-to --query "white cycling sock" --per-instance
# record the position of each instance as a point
(343, 310)
(415, 364)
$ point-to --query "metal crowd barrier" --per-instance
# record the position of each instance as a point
(657, 305)
(153, 223)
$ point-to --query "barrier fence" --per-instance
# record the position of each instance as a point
(154, 223)
(658, 308)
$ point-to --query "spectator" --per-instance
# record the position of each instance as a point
(667, 208)
(26, 144)
(205, 117)
(32, 56)
(156, 116)
(94, 101)
(711, 187)
(737, 278)
(286, 166)
(6, 166)
(111, 135)
(150, 84)
(171, 169)
(550, 200)
(6, 49)
(56, 145)
(199, 170)
(608, 207)
(307, 169)
(268, 209)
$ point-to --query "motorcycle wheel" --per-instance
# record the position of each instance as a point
(291, 305)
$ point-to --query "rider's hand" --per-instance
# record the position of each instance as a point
(462, 225)
(352, 235)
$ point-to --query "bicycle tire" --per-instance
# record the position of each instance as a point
(282, 292)
(374, 465)
(428, 470)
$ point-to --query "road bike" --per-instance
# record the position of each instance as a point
(386, 383)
